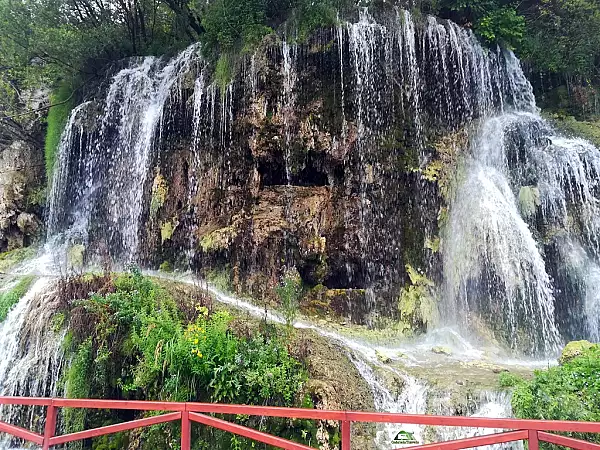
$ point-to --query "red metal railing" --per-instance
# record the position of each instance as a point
(532, 431)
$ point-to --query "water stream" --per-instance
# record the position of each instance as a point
(521, 248)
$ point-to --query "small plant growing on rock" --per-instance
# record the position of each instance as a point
(289, 291)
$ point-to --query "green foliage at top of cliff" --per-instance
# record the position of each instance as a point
(133, 340)
(56, 120)
(558, 36)
(570, 391)
(46, 41)
(496, 21)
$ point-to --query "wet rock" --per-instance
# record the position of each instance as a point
(336, 384)
(28, 223)
(574, 349)
(442, 350)
(385, 359)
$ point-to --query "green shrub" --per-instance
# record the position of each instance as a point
(570, 391)
(11, 297)
(508, 379)
(56, 121)
(289, 291)
(138, 345)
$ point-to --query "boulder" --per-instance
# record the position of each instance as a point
(574, 349)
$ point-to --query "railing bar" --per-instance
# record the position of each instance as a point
(533, 440)
(22, 433)
(474, 422)
(25, 401)
(567, 441)
(346, 433)
(248, 432)
(301, 413)
(271, 411)
(95, 432)
(497, 438)
(119, 404)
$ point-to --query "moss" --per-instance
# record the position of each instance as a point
(166, 231)
(447, 169)
(589, 130)
(433, 244)
(219, 239)
(166, 266)
(224, 71)
(10, 259)
(56, 120)
(529, 200)
(574, 349)
(75, 256)
(11, 297)
(417, 301)
(159, 193)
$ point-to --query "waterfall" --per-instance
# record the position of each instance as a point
(521, 248)
(490, 404)
(101, 177)
(525, 187)
(32, 355)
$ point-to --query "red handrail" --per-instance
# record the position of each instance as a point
(531, 430)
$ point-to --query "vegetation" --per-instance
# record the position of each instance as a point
(570, 391)
(11, 258)
(417, 300)
(132, 340)
(48, 42)
(289, 291)
(11, 297)
(56, 120)
(587, 129)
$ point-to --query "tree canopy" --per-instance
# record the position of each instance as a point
(44, 41)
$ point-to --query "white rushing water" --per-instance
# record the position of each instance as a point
(102, 177)
(31, 360)
(518, 173)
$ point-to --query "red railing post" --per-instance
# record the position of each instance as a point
(533, 441)
(346, 428)
(186, 434)
(50, 428)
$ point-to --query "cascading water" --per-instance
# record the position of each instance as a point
(101, 178)
(524, 193)
(32, 355)
(525, 190)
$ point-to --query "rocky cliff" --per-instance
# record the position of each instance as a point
(22, 174)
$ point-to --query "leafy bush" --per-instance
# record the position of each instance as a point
(134, 343)
(56, 120)
(11, 297)
(289, 291)
(570, 391)
(503, 25)
(508, 379)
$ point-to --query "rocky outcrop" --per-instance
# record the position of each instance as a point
(22, 178)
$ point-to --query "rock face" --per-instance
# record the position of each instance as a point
(332, 156)
(22, 179)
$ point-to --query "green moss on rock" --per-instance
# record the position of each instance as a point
(574, 349)
(219, 239)
(417, 302)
